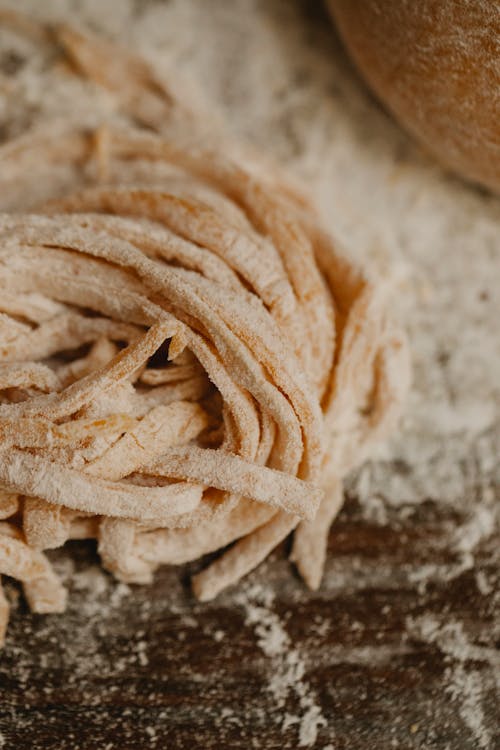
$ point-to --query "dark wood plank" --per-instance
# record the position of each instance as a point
(386, 657)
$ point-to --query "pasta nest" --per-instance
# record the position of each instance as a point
(186, 359)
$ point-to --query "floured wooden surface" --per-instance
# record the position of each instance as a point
(397, 648)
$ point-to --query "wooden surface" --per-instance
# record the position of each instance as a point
(398, 647)
(385, 660)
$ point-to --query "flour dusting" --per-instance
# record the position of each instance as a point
(287, 667)
(465, 686)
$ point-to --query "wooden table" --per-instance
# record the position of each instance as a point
(388, 656)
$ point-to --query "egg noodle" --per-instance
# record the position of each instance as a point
(187, 362)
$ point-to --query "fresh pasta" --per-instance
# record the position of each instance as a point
(186, 360)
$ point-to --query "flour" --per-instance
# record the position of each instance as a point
(481, 526)
(465, 687)
(287, 667)
(92, 579)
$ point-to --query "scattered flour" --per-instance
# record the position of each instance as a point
(120, 592)
(91, 579)
(287, 666)
(465, 687)
(480, 526)
(142, 656)
(483, 584)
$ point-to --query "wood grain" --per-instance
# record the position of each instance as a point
(79, 681)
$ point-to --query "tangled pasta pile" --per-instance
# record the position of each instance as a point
(185, 359)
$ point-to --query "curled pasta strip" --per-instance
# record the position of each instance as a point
(4, 615)
(9, 504)
(42, 587)
(28, 375)
(186, 360)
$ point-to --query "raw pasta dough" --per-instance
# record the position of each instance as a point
(186, 361)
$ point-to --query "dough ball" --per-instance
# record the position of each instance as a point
(436, 65)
